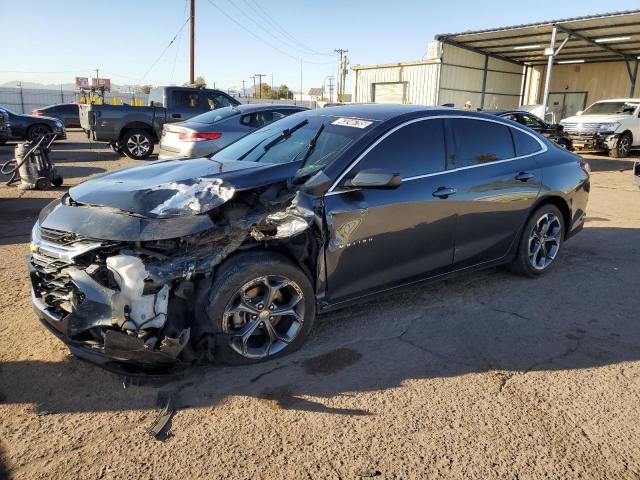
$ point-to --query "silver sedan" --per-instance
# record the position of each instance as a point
(209, 132)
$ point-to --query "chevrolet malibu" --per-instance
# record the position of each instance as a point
(230, 257)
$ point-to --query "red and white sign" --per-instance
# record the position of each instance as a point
(82, 83)
(101, 83)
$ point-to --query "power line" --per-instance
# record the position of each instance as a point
(175, 59)
(163, 52)
(286, 41)
(250, 32)
(265, 15)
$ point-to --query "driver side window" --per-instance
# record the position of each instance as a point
(412, 150)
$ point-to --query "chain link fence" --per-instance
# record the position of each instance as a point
(25, 100)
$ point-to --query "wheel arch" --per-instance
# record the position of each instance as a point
(135, 125)
(558, 202)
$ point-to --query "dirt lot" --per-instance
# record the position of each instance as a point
(486, 376)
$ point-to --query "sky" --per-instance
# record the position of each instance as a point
(129, 40)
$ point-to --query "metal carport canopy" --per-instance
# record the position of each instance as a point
(608, 37)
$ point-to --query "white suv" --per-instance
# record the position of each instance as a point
(608, 125)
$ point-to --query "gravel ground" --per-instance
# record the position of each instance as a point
(486, 376)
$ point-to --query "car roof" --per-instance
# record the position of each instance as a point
(386, 112)
(257, 107)
(504, 112)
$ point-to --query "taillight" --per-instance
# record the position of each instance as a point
(199, 136)
(37, 112)
(584, 165)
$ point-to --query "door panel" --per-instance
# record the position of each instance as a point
(382, 238)
(495, 188)
(493, 205)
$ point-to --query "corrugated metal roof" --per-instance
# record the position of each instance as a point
(401, 64)
(526, 43)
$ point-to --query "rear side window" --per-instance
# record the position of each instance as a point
(184, 99)
(156, 96)
(217, 100)
(415, 149)
(525, 144)
(477, 141)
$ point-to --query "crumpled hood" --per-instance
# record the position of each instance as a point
(596, 119)
(177, 187)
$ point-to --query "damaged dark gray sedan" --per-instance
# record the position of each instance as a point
(231, 257)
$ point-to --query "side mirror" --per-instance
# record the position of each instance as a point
(375, 178)
(579, 112)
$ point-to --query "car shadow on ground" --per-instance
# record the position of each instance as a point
(578, 316)
(18, 216)
(605, 164)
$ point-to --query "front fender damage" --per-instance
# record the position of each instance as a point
(135, 298)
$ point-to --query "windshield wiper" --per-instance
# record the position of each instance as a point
(310, 148)
(286, 133)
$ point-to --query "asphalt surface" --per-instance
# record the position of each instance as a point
(489, 375)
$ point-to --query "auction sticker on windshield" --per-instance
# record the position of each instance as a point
(352, 122)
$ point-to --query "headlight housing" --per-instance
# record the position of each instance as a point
(608, 127)
(36, 236)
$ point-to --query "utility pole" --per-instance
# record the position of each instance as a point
(342, 72)
(300, 80)
(244, 93)
(260, 75)
(331, 88)
(254, 86)
(192, 20)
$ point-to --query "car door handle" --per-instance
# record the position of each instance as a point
(176, 115)
(444, 192)
(524, 176)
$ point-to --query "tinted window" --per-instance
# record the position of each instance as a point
(415, 149)
(479, 141)
(184, 99)
(71, 109)
(525, 144)
(217, 100)
(531, 121)
(216, 115)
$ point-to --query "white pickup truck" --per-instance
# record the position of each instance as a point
(607, 125)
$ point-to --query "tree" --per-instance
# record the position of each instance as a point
(145, 89)
(284, 92)
(200, 82)
(266, 92)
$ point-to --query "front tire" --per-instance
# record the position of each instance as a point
(261, 306)
(137, 144)
(622, 146)
(540, 242)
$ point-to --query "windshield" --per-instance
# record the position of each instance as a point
(214, 116)
(272, 145)
(609, 108)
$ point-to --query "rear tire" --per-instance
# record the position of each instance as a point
(622, 146)
(37, 131)
(137, 144)
(540, 243)
(249, 290)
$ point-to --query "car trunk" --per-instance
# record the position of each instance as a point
(171, 136)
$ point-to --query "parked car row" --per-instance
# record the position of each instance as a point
(134, 131)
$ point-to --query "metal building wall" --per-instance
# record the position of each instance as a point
(599, 80)
(463, 79)
(421, 78)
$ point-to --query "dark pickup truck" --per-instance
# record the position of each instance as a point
(133, 130)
